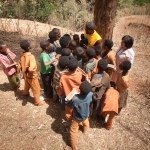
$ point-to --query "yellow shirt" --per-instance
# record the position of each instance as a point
(92, 38)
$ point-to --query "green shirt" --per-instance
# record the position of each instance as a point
(44, 57)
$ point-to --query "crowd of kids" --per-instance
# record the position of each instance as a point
(78, 72)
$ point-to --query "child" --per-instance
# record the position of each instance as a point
(9, 66)
(77, 39)
(90, 66)
(58, 35)
(59, 68)
(123, 83)
(84, 43)
(100, 83)
(109, 56)
(80, 57)
(27, 65)
(98, 51)
(46, 72)
(110, 105)
(80, 104)
(68, 81)
(72, 46)
(64, 42)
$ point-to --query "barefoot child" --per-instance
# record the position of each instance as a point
(80, 104)
(27, 65)
(110, 105)
(9, 65)
(123, 83)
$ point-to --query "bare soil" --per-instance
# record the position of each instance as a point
(28, 127)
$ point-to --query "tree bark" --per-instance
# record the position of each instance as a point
(104, 17)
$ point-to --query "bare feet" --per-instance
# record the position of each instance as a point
(40, 103)
(69, 148)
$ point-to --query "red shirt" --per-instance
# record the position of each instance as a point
(5, 62)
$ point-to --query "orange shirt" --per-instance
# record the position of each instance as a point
(110, 101)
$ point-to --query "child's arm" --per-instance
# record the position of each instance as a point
(49, 63)
(11, 65)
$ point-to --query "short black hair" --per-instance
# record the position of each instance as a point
(55, 30)
(64, 41)
(83, 41)
(98, 50)
(79, 51)
(44, 44)
(72, 64)
(52, 35)
(102, 64)
(82, 36)
(90, 52)
(76, 36)
(126, 65)
(65, 52)
(128, 40)
(63, 61)
(85, 87)
(1, 44)
(24, 44)
(68, 35)
(73, 43)
(108, 43)
(113, 84)
(90, 25)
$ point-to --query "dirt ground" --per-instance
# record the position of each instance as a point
(28, 127)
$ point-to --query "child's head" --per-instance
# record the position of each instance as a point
(90, 52)
(72, 46)
(108, 44)
(53, 36)
(67, 35)
(83, 42)
(63, 62)
(127, 42)
(79, 51)
(98, 50)
(65, 52)
(90, 27)
(64, 41)
(3, 47)
(25, 45)
(102, 65)
(85, 87)
(57, 31)
(72, 64)
(82, 36)
(126, 65)
(45, 45)
(76, 38)
(113, 84)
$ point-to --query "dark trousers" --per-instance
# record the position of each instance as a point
(94, 108)
(47, 80)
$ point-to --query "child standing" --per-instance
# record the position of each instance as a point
(109, 56)
(27, 65)
(110, 105)
(80, 104)
(68, 81)
(123, 83)
(77, 39)
(91, 65)
(100, 83)
(9, 66)
(45, 71)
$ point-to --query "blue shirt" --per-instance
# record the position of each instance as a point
(81, 106)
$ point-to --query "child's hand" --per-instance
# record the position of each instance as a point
(55, 60)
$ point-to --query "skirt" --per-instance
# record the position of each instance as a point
(123, 99)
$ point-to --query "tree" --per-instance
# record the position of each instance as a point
(104, 17)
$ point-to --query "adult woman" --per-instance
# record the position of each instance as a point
(125, 52)
(94, 39)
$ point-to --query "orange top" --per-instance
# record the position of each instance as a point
(110, 101)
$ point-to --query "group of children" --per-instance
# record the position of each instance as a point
(68, 64)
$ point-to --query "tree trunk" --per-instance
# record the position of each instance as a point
(104, 17)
